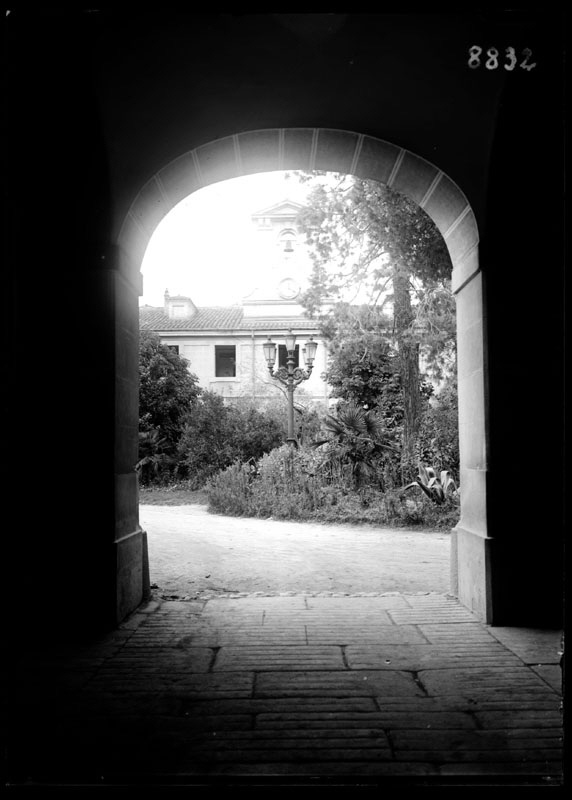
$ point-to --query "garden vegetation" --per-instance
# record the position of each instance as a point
(386, 452)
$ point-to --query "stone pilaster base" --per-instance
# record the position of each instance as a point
(471, 579)
(132, 572)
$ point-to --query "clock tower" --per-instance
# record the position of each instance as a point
(280, 263)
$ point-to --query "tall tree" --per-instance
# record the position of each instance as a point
(372, 245)
(362, 364)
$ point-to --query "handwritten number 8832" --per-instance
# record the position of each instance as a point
(492, 58)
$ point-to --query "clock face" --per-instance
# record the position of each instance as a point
(288, 289)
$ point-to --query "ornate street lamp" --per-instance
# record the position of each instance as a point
(290, 375)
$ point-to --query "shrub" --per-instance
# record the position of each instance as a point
(205, 446)
(255, 429)
(281, 484)
(229, 491)
(286, 484)
(217, 434)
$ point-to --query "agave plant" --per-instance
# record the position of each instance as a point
(438, 489)
(358, 439)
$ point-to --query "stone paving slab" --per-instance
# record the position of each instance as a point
(521, 718)
(171, 660)
(457, 755)
(255, 636)
(194, 685)
(356, 632)
(320, 684)
(495, 700)
(258, 706)
(321, 721)
(380, 720)
(345, 619)
(532, 646)
(364, 605)
(542, 773)
(268, 659)
(468, 742)
(251, 605)
(551, 674)
(468, 680)
(447, 633)
(418, 657)
(450, 613)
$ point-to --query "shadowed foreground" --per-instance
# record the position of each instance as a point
(388, 688)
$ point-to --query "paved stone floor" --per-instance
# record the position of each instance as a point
(306, 688)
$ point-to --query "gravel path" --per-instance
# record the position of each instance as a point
(193, 552)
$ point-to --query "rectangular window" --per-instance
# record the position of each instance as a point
(174, 348)
(225, 361)
(178, 310)
(282, 355)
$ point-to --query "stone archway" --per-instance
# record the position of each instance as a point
(366, 157)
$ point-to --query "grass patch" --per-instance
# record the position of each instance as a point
(171, 496)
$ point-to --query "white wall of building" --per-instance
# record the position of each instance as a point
(252, 378)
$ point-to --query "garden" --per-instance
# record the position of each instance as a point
(385, 449)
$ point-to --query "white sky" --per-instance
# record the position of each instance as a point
(201, 248)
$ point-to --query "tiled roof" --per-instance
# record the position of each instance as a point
(155, 319)
(217, 318)
(274, 323)
(180, 297)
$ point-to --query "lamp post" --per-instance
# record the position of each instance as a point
(290, 375)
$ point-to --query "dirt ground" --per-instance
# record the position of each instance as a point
(193, 552)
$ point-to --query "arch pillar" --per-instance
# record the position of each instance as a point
(471, 556)
(130, 541)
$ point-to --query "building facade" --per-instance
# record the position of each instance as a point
(223, 344)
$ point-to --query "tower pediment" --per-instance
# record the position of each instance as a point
(284, 210)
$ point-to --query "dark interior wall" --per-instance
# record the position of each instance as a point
(96, 102)
(59, 403)
(169, 83)
(522, 257)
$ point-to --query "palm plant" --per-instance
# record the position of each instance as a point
(152, 454)
(358, 440)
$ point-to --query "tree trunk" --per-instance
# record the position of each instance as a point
(409, 373)
(409, 368)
